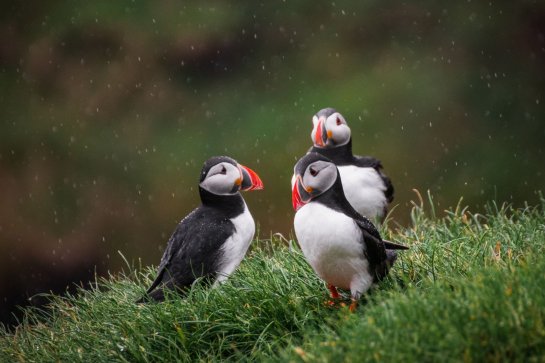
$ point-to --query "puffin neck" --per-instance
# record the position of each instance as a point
(338, 155)
(232, 204)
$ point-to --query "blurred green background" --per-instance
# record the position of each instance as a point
(108, 110)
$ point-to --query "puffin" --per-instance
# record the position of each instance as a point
(366, 187)
(211, 241)
(343, 247)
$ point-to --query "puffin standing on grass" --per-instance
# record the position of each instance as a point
(212, 240)
(367, 189)
(343, 247)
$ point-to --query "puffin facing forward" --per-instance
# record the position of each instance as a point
(343, 247)
(367, 189)
(212, 240)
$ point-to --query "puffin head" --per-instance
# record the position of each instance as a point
(330, 129)
(222, 175)
(314, 175)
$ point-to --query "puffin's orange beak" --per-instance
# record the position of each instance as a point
(297, 191)
(318, 138)
(322, 135)
(250, 180)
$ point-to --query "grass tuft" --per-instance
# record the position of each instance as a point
(469, 289)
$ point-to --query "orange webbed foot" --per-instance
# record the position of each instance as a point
(353, 305)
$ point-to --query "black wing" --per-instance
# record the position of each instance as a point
(379, 252)
(366, 225)
(371, 162)
(376, 255)
(193, 249)
(367, 162)
(174, 243)
(389, 245)
(375, 250)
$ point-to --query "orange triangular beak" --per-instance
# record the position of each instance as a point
(250, 179)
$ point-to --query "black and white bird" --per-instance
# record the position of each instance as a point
(367, 189)
(343, 247)
(212, 240)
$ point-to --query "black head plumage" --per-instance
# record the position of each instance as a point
(326, 112)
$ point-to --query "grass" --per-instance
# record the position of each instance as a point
(470, 289)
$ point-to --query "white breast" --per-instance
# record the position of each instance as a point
(331, 244)
(235, 247)
(364, 189)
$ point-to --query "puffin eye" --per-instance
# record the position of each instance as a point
(223, 170)
(339, 121)
(313, 171)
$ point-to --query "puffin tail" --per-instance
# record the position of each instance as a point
(156, 295)
(389, 245)
(391, 257)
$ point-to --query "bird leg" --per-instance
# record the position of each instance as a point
(334, 295)
(355, 299)
(353, 305)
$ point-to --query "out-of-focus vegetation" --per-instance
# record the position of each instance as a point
(108, 110)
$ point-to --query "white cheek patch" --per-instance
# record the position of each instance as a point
(339, 133)
(315, 121)
(314, 127)
(324, 180)
(331, 122)
(313, 135)
(222, 184)
(216, 184)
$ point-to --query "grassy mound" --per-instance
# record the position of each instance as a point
(470, 288)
